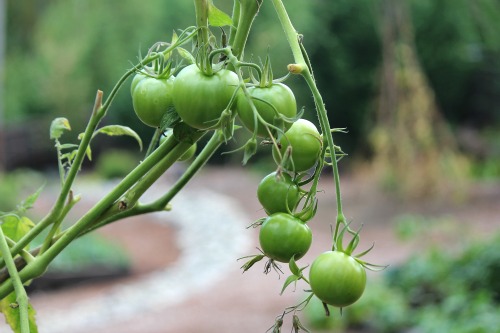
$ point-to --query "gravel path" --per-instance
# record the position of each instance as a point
(211, 236)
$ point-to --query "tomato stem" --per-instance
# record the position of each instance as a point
(302, 62)
(247, 12)
(235, 19)
(201, 9)
(21, 296)
(154, 141)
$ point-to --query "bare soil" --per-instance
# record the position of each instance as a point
(249, 302)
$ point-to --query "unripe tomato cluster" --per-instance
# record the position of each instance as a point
(268, 111)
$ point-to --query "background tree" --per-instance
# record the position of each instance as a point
(414, 149)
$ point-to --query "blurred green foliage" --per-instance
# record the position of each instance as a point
(116, 163)
(61, 52)
(91, 251)
(434, 291)
(16, 186)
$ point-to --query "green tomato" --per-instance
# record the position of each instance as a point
(278, 194)
(337, 278)
(199, 99)
(189, 153)
(278, 95)
(306, 144)
(282, 236)
(151, 98)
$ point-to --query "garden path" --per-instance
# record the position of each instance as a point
(200, 288)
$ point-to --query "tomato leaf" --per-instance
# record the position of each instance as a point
(10, 309)
(16, 227)
(58, 126)
(114, 130)
(29, 201)
(217, 17)
(289, 280)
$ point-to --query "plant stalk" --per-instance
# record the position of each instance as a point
(302, 65)
(21, 296)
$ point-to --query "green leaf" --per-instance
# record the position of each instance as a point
(289, 280)
(29, 201)
(10, 309)
(217, 17)
(58, 126)
(114, 130)
(16, 227)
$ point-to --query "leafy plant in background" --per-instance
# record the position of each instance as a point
(434, 291)
(194, 85)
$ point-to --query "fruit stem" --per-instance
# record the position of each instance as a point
(300, 62)
(247, 12)
(201, 9)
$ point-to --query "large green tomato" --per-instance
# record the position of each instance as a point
(151, 98)
(337, 278)
(282, 236)
(306, 144)
(278, 95)
(278, 194)
(199, 99)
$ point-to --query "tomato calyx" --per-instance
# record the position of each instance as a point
(352, 245)
(268, 266)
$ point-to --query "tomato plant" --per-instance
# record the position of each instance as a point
(283, 236)
(278, 193)
(199, 98)
(151, 98)
(305, 142)
(337, 279)
(274, 101)
(204, 97)
(188, 154)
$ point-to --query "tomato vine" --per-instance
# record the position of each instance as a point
(184, 98)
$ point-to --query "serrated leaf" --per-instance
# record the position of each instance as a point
(58, 126)
(117, 130)
(29, 201)
(169, 119)
(217, 17)
(289, 280)
(16, 227)
(10, 309)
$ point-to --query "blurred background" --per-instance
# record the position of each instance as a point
(415, 82)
